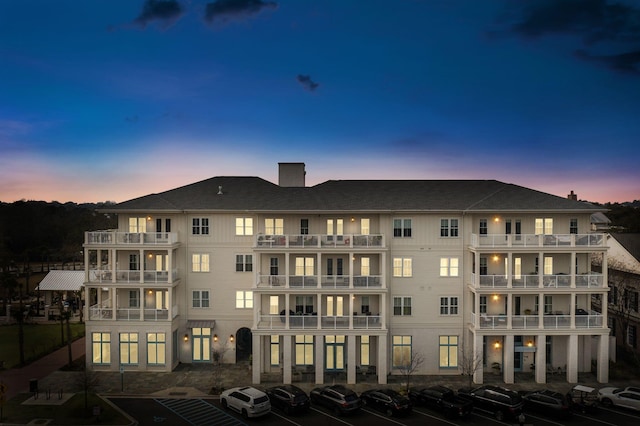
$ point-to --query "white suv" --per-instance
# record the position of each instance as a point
(248, 401)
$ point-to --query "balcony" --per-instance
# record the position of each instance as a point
(111, 238)
(106, 313)
(334, 282)
(555, 281)
(536, 241)
(319, 241)
(327, 322)
(106, 276)
(531, 322)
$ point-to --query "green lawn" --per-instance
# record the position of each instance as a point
(39, 340)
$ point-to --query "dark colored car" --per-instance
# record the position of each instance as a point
(547, 402)
(388, 401)
(442, 399)
(288, 398)
(500, 402)
(337, 398)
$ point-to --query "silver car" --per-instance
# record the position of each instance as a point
(620, 397)
(248, 401)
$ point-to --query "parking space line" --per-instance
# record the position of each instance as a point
(383, 417)
(596, 420)
(493, 419)
(618, 412)
(543, 419)
(434, 417)
(333, 417)
(285, 418)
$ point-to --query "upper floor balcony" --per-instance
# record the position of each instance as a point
(106, 312)
(538, 240)
(320, 241)
(106, 275)
(324, 322)
(113, 237)
(332, 282)
(536, 322)
(592, 280)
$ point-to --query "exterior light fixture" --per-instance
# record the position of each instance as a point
(148, 217)
(186, 337)
(497, 344)
(215, 337)
(353, 219)
(496, 257)
(530, 343)
(231, 338)
(496, 219)
(496, 297)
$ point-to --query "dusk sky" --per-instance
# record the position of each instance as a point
(108, 100)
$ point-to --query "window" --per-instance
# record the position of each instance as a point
(335, 227)
(402, 267)
(401, 350)
(573, 226)
(304, 226)
(133, 262)
(449, 306)
(483, 227)
(402, 228)
(365, 226)
(274, 305)
(101, 348)
(137, 224)
(548, 265)
(337, 308)
(200, 298)
(200, 226)
(304, 266)
(274, 226)
(134, 299)
(244, 262)
(548, 304)
(273, 266)
(401, 306)
(517, 268)
(339, 268)
(365, 266)
(128, 348)
(611, 322)
(507, 226)
(448, 351)
(304, 305)
(544, 226)
(244, 226)
(483, 304)
(484, 269)
(304, 350)
(201, 345)
(364, 305)
(167, 226)
(244, 299)
(631, 335)
(200, 262)
(449, 267)
(448, 227)
(274, 353)
(156, 346)
(365, 358)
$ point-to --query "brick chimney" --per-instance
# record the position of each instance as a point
(291, 174)
(572, 196)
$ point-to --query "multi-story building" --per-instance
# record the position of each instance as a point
(347, 278)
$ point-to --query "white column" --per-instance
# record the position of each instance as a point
(383, 359)
(509, 271)
(351, 359)
(573, 266)
(507, 357)
(383, 311)
(478, 374)
(142, 262)
(319, 347)
(170, 266)
(286, 359)
(541, 358)
(350, 311)
(319, 298)
(572, 310)
(572, 359)
(509, 309)
(114, 264)
(287, 308)
(256, 356)
(603, 358)
(141, 307)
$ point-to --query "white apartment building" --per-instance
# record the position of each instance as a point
(347, 277)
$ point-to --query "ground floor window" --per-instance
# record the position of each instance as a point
(275, 350)
(448, 351)
(156, 348)
(129, 348)
(304, 350)
(201, 344)
(334, 352)
(101, 348)
(365, 358)
(401, 349)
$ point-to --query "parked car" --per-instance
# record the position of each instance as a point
(628, 397)
(500, 402)
(583, 399)
(248, 401)
(388, 401)
(547, 402)
(288, 398)
(442, 399)
(337, 398)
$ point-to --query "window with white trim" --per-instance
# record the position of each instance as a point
(573, 226)
(544, 226)
(274, 354)
(304, 266)
(244, 299)
(200, 262)
(101, 348)
(483, 304)
(134, 298)
(304, 349)
(156, 348)
(274, 305)
(200, 226)
(274, 226)
(304, 226)
(548, 265)
(449, 227)
(448, 351)
(401, 305)
(335, 306)
(129, 348)
(449, 306)
(244, 262)
(244, 226)
(200, 298)
(137, 224)
(401, 351)
(304, 305)
(483, 227)
(402, 228)
(364, 226)
(365, 358)
(402, 267)
(632, 336)
(449, 267)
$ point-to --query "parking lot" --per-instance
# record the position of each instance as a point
(207, 411)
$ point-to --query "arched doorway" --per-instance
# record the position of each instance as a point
(244, 344)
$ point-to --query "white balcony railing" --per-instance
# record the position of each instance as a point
(129, 276)
(104, 313)
(529, 322)
(534, 240)
(327, 322)
(315, 241)
(116, 237)
(326, 281)
(589, 280)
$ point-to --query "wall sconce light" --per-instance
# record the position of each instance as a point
(231, 338)
(215, 337)
(496, 297)
(353, 219)
(148, 217)
(150, 291)
(496, 257)
(496, 219)
(497, 344)
(150, 255)
(186, 337)
(530, 343)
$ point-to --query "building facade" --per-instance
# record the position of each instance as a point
(348, 279)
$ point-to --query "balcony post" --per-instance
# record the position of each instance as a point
(477, 349)
(319, 298)
(508, 358)
(383, 312)
(541, 358)
(351, 297)
(351, 271)
(287, 308)
(603, 358)
(509, 270)
(286, 359)
(351, 359)
(287, 259)
(141, 303)
(573, 269)
(114, 262)
(256, 367)
(572, 359)
(142, 262)
(572, 310)
(382, 368)
(319, 346)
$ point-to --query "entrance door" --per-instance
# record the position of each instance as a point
(334, 353)
(516, 305)
(244, 344)
(517, 354)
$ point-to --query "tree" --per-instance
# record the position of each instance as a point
(469, 362)
(410, 366)
(87, 381)
(217, 353)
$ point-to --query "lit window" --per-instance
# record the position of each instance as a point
(200, 262)
(156, 348)
(304, 350)
(448, 351)
(273, 226)
(137, 224)
(401, 350)
(449, 267)
(402, 267)
(101, 348)
(129, 348)
(275, 351)
(364, 226)
(244, 226)
(244, 299)
(544, 226)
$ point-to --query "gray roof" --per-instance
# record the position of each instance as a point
(630, 241)
(62, 280)
(257, 194)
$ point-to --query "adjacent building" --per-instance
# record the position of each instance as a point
(348, 279)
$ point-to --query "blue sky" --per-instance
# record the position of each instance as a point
(110, 100)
